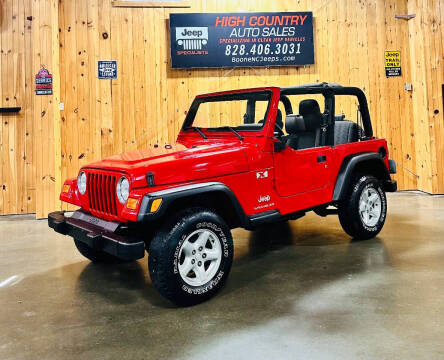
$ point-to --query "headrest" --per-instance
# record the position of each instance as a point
(340, 117)
(294, 124)
(309, 109)
(279, 121)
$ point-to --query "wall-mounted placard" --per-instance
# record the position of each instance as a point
(43, 82)
(107, 69)
(241, 39)
(392, 63)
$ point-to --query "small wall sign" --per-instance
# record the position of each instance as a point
(392, 63)
(107, 69)
(43, 82)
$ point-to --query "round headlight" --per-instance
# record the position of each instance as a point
(122, 189)
(81, 182)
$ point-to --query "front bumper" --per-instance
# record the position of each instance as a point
(390, 186)
(97, 235)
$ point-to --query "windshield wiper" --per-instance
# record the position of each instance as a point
(198, 130)
(232, 130)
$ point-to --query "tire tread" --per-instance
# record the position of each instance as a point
(159, 257)
(350, 221)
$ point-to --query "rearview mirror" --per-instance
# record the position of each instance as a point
(279, 146)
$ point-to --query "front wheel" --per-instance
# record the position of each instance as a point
(362, 213)
(190, 257)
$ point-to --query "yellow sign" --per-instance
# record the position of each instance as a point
(392, 63)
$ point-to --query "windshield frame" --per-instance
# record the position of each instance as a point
(231, 96)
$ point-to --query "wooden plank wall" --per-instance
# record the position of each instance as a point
(427, 60)
(30, 140)
(148, 101)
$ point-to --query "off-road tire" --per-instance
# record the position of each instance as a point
(348, 209)
(96, 256)
(163, 256)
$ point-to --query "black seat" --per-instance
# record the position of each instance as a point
(311, 114)
(294, 125)
(346, 131)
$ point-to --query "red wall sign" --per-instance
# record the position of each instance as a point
(43, 82)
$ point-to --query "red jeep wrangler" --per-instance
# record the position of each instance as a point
(180, 201)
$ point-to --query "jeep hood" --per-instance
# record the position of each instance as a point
(178, 163)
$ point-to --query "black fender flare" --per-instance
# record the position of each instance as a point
(348, 166)
(171, 194)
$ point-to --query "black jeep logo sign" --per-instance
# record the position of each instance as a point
(191, 38)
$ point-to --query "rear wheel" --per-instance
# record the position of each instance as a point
(363, 212)
(190, 257)
(96, 256)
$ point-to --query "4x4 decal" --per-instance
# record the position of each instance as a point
(262, 174)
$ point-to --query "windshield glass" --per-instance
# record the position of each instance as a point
(242, 112)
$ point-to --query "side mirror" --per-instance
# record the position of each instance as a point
(279, 146)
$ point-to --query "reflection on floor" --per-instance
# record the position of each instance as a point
(298, 290)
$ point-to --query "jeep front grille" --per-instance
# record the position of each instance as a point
(102, 193)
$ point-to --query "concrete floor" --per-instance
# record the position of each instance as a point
(297, 291)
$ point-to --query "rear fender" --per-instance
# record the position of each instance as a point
(371, 163)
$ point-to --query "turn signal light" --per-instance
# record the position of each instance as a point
(66, 188)
(132, 203)
(155, 205)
